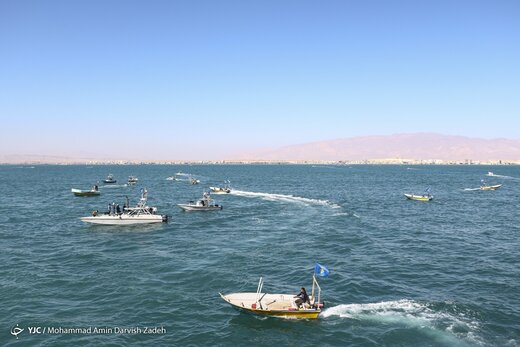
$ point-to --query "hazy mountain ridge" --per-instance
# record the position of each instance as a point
(376, 148)
(417, 146)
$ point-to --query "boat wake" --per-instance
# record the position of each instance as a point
(114, 186)
(504, 176)
(444, 324)
(285, 198)
(470, 189)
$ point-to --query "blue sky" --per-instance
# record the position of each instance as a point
(202, 79)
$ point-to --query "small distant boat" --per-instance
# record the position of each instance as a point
(204, 204)
(132, 180)
(141, 214)
(172, 178)
(423, 197)
(93, 192)
(221, 190)
(488, 187)
(110, 179)
(426, 197)
(194, 181)
(490, 174)
(277, 305)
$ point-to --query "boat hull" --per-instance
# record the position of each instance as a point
(418, 197)
(270, 305)
(78, 192)
(495, 187)
(188, 207)
(296, 314)
(217, 190)
(124, 219)
(87, 194)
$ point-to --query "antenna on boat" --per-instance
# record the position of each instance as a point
(259, 289)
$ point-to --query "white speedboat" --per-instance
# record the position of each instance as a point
(92, 192)
(488, 187)
(132, 180)
(141, 214)
(110, 179)
(490, 174)
(204, 204)
(277, 305)
(485, 186)
(226, 189)
(425, 197)
(420, 197)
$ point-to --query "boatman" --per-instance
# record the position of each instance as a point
(301, 298)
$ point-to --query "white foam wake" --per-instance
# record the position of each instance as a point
(285, 198)
(380, 308)
(503, 176)
(411, 314)
(114, 186)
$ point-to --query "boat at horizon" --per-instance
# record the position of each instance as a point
(110, 179)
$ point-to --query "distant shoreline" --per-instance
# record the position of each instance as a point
(268, 162)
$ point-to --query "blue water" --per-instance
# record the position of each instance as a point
(403, 273)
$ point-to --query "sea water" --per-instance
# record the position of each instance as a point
(402, 273)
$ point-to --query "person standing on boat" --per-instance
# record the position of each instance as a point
(301, 298)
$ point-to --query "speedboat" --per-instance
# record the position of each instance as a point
(204, 204)
(93, 192)
(490, 174)
(194, 181)
(110, 179)
(221, 190)
(141, 214)
(488, 187)
(425, 197)
(277, 305)
(172, 178)
(132, 180)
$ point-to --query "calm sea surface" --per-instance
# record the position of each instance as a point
(403, 273)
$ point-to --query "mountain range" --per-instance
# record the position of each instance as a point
(415, 146)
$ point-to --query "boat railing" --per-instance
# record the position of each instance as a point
(316, 286)
(259, 289)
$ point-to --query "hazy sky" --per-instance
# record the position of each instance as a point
(200, 79)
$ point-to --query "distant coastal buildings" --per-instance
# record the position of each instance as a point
(398, 149)
(390, 161)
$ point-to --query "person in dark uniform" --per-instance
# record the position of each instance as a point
(302, 298)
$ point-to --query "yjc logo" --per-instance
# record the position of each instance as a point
(16, 330)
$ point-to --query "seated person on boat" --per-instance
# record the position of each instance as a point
(302, 298)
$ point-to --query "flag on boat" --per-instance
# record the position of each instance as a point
(321, 270)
